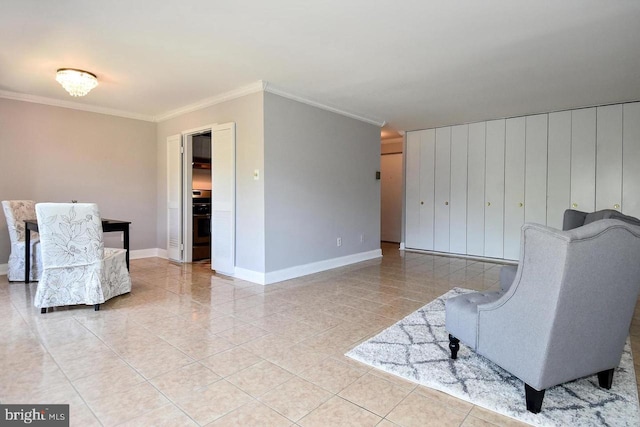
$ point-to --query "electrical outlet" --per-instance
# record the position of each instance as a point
(339, 241)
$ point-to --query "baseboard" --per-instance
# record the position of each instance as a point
(471, 257)
(250, 275)
(402, 247)
(264, 278)
(306, 269)
(136, 254)
(148, 253)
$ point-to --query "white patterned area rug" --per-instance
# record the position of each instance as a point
(417, 348)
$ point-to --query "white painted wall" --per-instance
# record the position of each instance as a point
(56, 154)
(247, 113)
(319, 184)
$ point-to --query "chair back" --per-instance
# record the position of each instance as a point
(16, 212)
(569, 309)
(598, 293)
(70, 234)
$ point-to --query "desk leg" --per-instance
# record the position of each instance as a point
(27, 255)
(126, 243)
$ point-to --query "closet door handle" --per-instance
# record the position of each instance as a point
(446, 203)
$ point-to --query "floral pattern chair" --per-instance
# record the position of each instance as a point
(78, 269)
(16, 211)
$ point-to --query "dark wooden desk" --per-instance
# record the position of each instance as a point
(108, 225)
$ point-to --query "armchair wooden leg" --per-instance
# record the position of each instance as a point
(605, 378)
(454, 346)
(533, 398)
(96, 307)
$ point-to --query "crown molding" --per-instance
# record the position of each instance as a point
(268, 87)
(73, 105)
(259, 86)
(218, 99)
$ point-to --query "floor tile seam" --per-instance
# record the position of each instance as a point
(331, 395)
(174, 403)
(124, 359)
(73, 386)
(355, 404)
(366, 409)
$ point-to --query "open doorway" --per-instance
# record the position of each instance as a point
(201, 196)
(196, 204)
(391, 188)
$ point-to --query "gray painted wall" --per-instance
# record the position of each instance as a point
(319, 184)
(57, 154)
(247, 113)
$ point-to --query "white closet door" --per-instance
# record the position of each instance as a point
(535, 179)
(420, 158)
(559, 168)
(412, 191)
(609, 157)
(494, 189)
(458, 202)
(631, 161)
(442, 189)
(427, 187)
(475, 189)
(514, 185)
(174, 198)
(223, 197)
(583, 159)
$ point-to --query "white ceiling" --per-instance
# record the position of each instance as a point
(413, 64)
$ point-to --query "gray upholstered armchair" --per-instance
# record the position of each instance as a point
(567, 313)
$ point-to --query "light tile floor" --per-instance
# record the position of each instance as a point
(188, 348)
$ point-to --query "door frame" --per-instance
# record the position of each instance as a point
(187, 188)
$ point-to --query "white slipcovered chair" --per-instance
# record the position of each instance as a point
(78, 269)
(16, 212)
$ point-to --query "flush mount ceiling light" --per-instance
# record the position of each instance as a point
(76, 82)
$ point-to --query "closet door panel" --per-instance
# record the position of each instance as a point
(609, 157)
(458, 202)
(427, 183)
(475, 189)
(535, 179)
(494, 189)
(420, 189)
(412, 191)
(583, 159)
(442, 189)
(631, 161)
(559, 168)
(514, 185)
